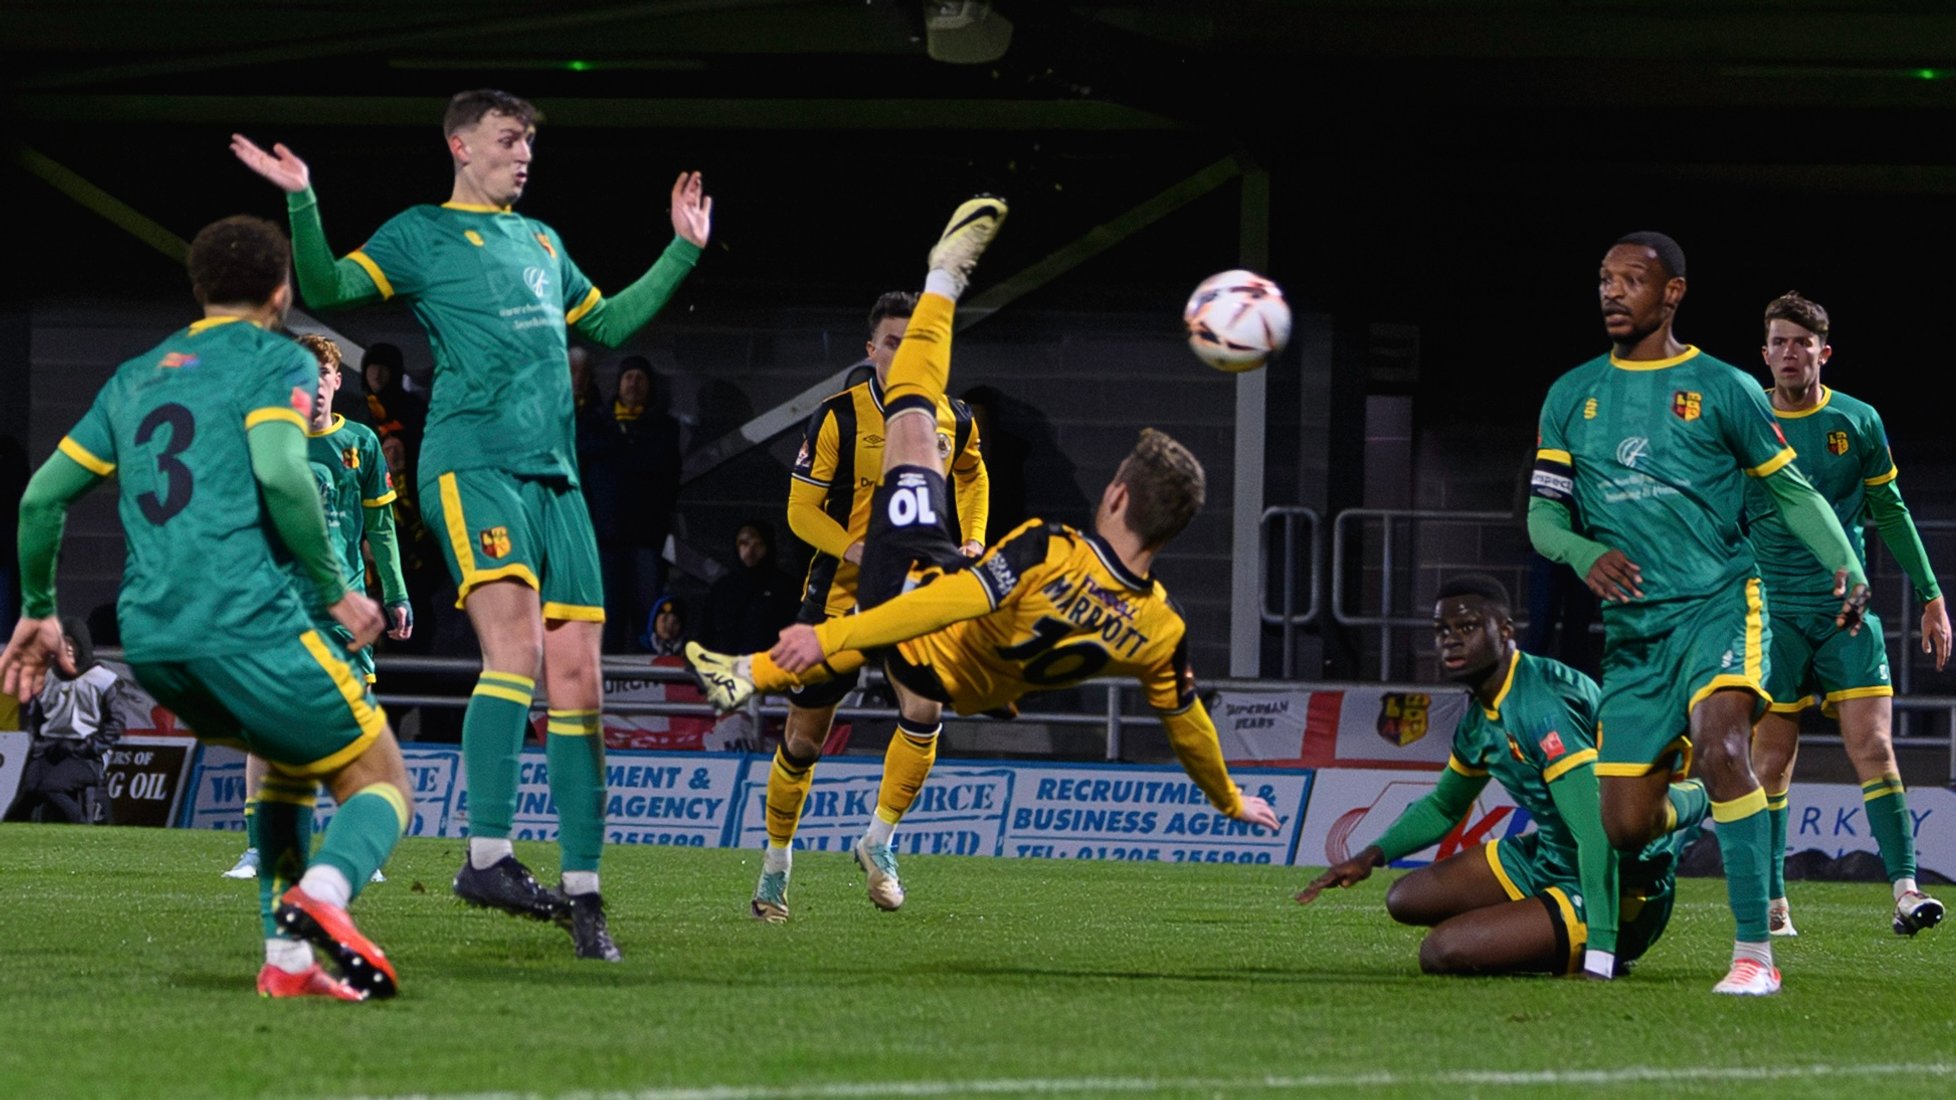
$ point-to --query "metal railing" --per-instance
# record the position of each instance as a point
(1388, 522)
(1287, 617)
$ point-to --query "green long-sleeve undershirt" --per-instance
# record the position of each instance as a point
(1423, 823)
(278, 462)
(1806, 513)
(326, 283)
(386, 545)
(1897, 529)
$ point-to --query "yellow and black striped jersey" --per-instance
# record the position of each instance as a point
(1063, 610)
(836, 473)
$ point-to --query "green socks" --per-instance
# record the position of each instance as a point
(575, 749)
(1744, 833)
(492, 736)
(1888, 820)
(363, 833)
(280, 827)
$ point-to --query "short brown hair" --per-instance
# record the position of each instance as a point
(322, 348)
(897, 303)
(1802, 311)
(465, 109)
(1165, 487)
(240, 260)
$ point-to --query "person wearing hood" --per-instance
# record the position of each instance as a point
(74, 725)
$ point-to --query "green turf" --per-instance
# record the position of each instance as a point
(126, 968)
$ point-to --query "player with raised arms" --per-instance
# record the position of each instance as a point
(357, 496)
(1046, 607)
(1639, 486)
(1518, 904)
(497, 293)
(1844, 451)
(205, 435)
(829, 509)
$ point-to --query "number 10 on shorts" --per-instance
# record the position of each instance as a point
(910, 504)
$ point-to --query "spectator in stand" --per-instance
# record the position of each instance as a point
(595, 466)
(74, 724)
(644, 461)
(665, 629)
(392, 410)
(747, 607)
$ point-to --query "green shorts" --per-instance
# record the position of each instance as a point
(1661, 660)
(1641, 916)
(1813, 657)
(297, 704)
(500, 526)
(340, 638)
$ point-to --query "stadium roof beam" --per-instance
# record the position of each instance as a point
(666, 114)
(368, 43)
(796, 410)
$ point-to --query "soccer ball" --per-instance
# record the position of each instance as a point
(1237, 321)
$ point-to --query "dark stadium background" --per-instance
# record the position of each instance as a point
(1450, 172)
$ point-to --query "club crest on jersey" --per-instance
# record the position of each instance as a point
(1588, 412)
(1836, 443)
(473, 237)
(350, 458)
(547, 246)
(178, 360)
(495, 542)
(1552, 746)
(1402, 716)
(1687, 404)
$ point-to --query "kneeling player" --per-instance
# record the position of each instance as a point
(206, 437)
(1047, 607)
(1519, 904)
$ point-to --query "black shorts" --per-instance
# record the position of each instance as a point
(909, 537)
(826, 694)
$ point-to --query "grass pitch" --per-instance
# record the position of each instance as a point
(126, 969)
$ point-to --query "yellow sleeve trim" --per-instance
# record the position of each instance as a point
(1558, 769)
(1461, 766)
(274, 414)
(1883, 479)
(1550, 454)
(85, 458)
(373, 272)
(589, 303)
(1773, 464)
(381, 501)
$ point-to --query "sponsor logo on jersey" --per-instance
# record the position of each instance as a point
(1837, 443)
(1402, 717)
(473, 237)
(1003, 578)
(803, 460)
(1588, 413)
(1632, 450)
(544, 240)
(538, 280)
(177, 360)
(1687, 404)
(872, 440)
(1552, 746)
(350, 458)
(495, 541)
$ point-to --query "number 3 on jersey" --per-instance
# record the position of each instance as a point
(173, 475)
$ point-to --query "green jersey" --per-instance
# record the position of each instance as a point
(1541, 728)
(202, 578)
(1652, 460)
(1843, 451)
(494, 290)
(351, 453)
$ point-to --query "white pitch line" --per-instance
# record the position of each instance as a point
(1046, 1086)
